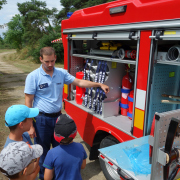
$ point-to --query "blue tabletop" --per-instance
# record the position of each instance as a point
(131, 156)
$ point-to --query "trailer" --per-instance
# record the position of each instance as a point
(133, 46)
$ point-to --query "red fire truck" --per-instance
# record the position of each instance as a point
(133, 46)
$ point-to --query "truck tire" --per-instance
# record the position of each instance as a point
(108, 171)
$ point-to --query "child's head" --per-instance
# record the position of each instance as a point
(17, 114)
(65, 129)
(17, 159)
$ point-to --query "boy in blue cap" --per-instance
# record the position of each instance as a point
(19, 119)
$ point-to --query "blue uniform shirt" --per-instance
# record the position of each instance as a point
(47, 90)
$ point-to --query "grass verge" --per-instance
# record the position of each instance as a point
(26, 65)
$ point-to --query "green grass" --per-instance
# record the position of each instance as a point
(25, 65)
(6, 50)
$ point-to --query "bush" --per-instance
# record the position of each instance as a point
(5, 45)
(46, 41)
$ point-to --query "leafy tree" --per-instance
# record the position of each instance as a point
(46, 41)
(15, 32)
(2, 2)
(4, 45)
(96, 2)
(35, 20)
(1, 40)
(73, 5)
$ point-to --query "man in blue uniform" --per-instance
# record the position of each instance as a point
(43, 90)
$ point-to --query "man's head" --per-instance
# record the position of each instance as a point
(65, 129)
(47, 51)
(17, 159)
(17, 114)
(48, 58)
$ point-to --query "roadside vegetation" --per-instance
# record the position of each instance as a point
(24, 64)
(36, 26)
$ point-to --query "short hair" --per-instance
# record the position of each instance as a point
(12, 128)
(47, 51)
(66, 140)
(14, 176)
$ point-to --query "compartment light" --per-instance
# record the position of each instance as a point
(119, 9)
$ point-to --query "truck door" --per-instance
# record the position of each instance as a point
(164, 84)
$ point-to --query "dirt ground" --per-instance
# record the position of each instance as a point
(12, 80)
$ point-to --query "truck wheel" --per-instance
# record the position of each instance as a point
(108, 171)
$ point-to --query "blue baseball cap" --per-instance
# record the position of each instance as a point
(18, 113)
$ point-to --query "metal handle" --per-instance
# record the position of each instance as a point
(81, 38)
(170, 102)
(153, 37)
(123, 175)
(117, 37)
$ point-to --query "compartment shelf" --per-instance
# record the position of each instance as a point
(120, 122)
(105, 58)
(176, 63)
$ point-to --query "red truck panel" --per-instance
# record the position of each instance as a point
(88, 125)
(137, 11)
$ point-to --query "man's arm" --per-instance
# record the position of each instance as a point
(88, 84)
(28, 102)
(48, 174)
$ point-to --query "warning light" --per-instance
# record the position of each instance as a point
(119, 9)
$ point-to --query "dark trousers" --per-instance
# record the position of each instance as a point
(44, 127)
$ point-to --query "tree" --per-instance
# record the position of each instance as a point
(15, 32)
(96, 2)
(46, 41)
(1, 40)
(2, 2)
(73, 5)
(35, 20)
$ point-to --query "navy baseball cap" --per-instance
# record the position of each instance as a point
(65, 127)
(18, 113)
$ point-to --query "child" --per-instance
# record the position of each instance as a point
(67, 159)
(17, 160)
(19, 119)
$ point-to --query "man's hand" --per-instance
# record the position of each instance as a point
(29, 98)
(88, 84)
(32, 132)
(105, 88)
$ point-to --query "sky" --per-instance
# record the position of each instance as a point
(10, 9)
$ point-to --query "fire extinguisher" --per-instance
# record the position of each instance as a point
(125, 90)
(79, 91)
(130, 104)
